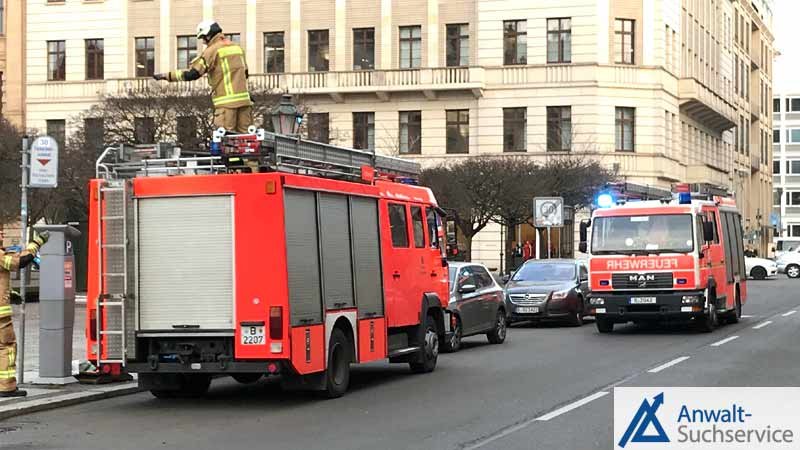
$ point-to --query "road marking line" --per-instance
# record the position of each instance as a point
(571, 406)
(668, 365)
(789, 313)
(762, 325)
(745, 316)
(724, 341)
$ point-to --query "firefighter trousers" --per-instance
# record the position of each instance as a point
(8, 354)
(234, 119)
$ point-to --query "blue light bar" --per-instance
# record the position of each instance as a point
(605, 200)
(685, 198)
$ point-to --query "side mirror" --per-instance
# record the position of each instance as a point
(444, 261)
(505, 278)
(584, 230)
(708, 231)
(701, 254)
(467, 289)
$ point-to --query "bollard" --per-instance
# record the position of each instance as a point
(56, 305)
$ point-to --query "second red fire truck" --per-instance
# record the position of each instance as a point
(324, 257)
(680, 258)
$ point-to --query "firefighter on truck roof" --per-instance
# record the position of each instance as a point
(224, 63)
(8, 341)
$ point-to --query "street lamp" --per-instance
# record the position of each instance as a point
(286, 119)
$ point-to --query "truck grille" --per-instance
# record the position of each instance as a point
(661, 280)
(527, 299)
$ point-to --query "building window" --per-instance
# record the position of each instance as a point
(515, 42)
(187, 51)
(776, 167)
(187, 132)
(777, 194)
(457, 51)
(625, 129)
(793, 230)
(559, 128)
(410, 132)
(2, 28)
(793, 135)
(559, 40)
(457, 122)
(793, 104)
(94, 59)
(364, 131)
(318, 126)
(93, 129)
(776, 105)
(793, 199)
(236, 38)
(793, 167)
(144, 130)
(410, 47)
(56, 60)
(514, 129)
(318, 49)
(145, 56)
(273, 52)
(56, 129)
(624, 41)
(776, 136)
(363, 48)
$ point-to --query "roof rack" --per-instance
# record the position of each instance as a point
(257, 151)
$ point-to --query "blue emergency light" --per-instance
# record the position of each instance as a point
(605, 200)
(685, 198)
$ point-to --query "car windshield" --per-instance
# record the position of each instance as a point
(543, 272)
(667, 233)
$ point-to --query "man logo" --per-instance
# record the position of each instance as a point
(644, 417)
(641, 279)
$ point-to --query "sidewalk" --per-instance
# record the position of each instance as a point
(42, 397)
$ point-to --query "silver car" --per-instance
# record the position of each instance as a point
(476, 304)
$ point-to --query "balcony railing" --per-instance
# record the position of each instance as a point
(701, 102)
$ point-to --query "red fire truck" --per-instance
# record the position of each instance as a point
(680, 258)
(281, 256)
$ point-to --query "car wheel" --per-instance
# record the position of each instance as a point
(758, 273)
(429, 353)
(604, 325)
(453, 344)
(793, 271)
(576, 319)
(337, 375)
(498, 333)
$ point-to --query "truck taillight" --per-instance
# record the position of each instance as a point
(275, 322)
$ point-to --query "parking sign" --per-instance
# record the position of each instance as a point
(44, 163)
(548, 211)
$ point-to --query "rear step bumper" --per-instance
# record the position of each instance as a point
(206, 367)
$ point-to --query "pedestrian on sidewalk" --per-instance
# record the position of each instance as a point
(10, 261)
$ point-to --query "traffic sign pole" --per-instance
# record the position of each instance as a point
(23, 279)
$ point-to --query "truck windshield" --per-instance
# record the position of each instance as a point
(666, 233)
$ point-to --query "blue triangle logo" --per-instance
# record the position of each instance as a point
(645, 417)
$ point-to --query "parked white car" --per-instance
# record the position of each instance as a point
(760, 268)
(789, 263)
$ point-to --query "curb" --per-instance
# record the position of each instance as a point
(62, 400)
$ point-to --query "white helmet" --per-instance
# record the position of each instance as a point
(207, 29)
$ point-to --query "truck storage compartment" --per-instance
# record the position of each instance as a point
(185, 263)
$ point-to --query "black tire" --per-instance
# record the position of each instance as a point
(576, 319)
(429, 351)
(793, 271)
(453, 344)
(247, 378)
(498, 334)
(736, 314)
(604, 325)
(709, 321)
(758, 273)
(337, 375)
(163, 394)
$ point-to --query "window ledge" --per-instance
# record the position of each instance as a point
(58, 2)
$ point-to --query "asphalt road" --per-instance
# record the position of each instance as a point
(547, 387)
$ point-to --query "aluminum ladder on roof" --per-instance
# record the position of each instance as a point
(114, 312)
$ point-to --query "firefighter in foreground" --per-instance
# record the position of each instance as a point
(226, 67)
(8, 341)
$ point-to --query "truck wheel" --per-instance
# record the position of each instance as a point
(247, 378)
(708, 321)
(793, 271)
(498, 333)
(453, 344)
(191, 386)
(758, 273)
(736, 313)
(429, 353)
(337, 375)
(604, 325)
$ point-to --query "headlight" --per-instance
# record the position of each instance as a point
(689, 299)
(560, 295)
(597, 301)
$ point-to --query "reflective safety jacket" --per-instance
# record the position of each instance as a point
(224, 63)
(10, 262)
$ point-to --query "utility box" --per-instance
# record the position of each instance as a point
(56, 304)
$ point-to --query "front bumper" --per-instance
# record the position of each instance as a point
(622, 307)
(547, 310)
(782, 268)
(772, 271)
